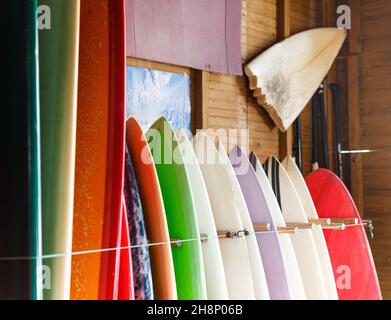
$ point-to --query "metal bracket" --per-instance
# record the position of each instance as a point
(234, 234)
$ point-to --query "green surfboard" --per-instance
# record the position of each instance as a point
(59, 53)
(20, 198)
(180, 211)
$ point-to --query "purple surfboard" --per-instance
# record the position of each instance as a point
(268, 243)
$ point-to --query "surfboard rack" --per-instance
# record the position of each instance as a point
(291, 228)
(369, 224)
(204, 237)
(339, 223)
(301, 226)
(335, 226)
(262, 227)
(320, 221)
(345, 221)
(176, 243)
(233, 234)
(287, 230)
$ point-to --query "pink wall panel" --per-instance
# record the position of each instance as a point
(200, 34)
(233, 33)
(205, 45)
(177, 31)
(130, 32)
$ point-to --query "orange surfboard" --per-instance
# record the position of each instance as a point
(154, 214)
(91, 147)
(98, 180)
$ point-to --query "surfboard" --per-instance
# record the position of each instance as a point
(92, 144)
(261, 289)
(294, 275)
(317, 232)
(286, 76)
(226, 214)
(115, 153)
(180, 211)
(125, 287)
(20, 199)
(303, 241)
(350, 253)
(268, 243)
(143, 289)
(216, 284)
(59, 52)
(162, 266)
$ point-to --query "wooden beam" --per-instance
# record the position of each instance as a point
(356, 162)
(355, 46)
(283, 31)
(329, 9)
(202, 99)
(284, 21)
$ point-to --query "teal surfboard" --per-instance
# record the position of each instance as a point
(180, 211)
(20, 198)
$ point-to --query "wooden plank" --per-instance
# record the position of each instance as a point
(283, 31)
(157, 66)
(355, 46)
(202, 99)
(134, 62)
(329, 20)
(356, 163)
(283, 19)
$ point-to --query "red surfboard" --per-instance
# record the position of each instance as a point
(110, 261)
(350, 253)
(125, 278)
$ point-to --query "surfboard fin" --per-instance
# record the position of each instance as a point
(286, 76)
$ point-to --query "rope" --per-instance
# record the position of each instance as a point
(178, 242)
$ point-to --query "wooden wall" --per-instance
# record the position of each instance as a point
(371, 57)
(227, 103)
(304, 16)
(375, 112)
(365, 65)
(226, 100)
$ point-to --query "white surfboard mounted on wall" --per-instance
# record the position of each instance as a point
(286, 76)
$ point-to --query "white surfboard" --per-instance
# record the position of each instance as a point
(303, 241)
(296, 282)
(213, 262)
(227, 218)
(258, 272)
(287, 75)
(310, 210)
